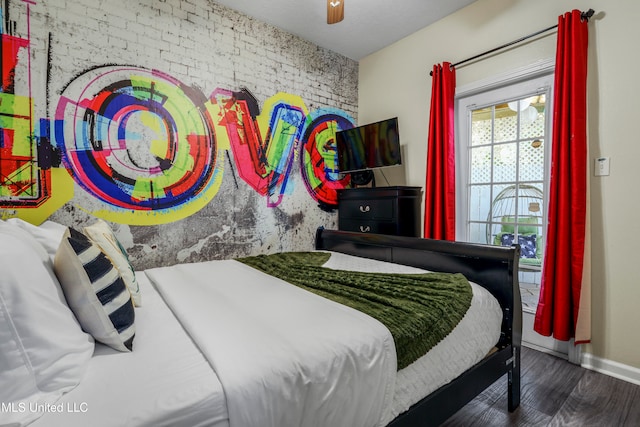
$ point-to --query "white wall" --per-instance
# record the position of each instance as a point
(395, 81)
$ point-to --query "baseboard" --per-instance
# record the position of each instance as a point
(543, 349)
(611, 368)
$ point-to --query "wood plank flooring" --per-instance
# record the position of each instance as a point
(555, 393)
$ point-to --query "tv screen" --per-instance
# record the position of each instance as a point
(370, 146)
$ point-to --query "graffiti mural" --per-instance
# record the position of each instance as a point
(139, 141)
(263, 163)
(149, 149)
(266, 163)
(319, 160)
(26, 153)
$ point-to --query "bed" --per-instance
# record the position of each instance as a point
(494, 268)
(253, 349)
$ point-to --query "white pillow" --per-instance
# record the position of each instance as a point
(48, 234)
(103, 236)
(43, 351)
(95, 291)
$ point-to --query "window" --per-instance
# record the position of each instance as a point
(503, 151)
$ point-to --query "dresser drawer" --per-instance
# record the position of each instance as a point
(362, 226)
(380, 209)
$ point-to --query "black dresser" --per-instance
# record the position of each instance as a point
(383, 210)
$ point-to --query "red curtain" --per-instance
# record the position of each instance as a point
(558, 306)
(440, 188)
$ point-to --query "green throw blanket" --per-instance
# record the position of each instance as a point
(418, 309)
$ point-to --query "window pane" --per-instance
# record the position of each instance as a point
(505, 162)
(530, 201)
(479, 202)
(503, 203)
(532, 118)
(532, 160)
(492, 232)
(481, 129)
(480, 165)
(506, 128)
(477, 232)
(531, 244)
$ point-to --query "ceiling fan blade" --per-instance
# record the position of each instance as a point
(335, 11)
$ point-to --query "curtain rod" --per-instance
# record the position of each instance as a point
(584, 15)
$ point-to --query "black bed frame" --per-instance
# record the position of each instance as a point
(492, 267)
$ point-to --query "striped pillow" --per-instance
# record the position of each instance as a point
(101, 234)
(95, 291)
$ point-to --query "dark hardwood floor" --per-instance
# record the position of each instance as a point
(555, 393)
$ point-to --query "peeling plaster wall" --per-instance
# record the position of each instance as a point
(205, 46)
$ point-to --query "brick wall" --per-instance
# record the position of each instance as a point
(74, 46)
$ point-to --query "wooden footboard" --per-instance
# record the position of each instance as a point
(492, 267)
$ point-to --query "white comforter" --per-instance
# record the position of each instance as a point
(284, 356)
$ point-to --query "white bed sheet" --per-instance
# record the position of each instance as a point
(164, 381)
(286, 357)
(466, 345)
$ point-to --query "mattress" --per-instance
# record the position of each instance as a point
(165, 381)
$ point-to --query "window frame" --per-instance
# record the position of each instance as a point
(534, 79)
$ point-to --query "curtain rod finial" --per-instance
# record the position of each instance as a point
(588, 14)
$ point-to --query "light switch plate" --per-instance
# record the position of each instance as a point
(601, 166)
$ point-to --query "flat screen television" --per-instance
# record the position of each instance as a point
(371, 146)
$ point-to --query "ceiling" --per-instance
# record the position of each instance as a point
(368, 25)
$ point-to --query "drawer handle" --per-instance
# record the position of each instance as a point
(365, 229)
(364, 209)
